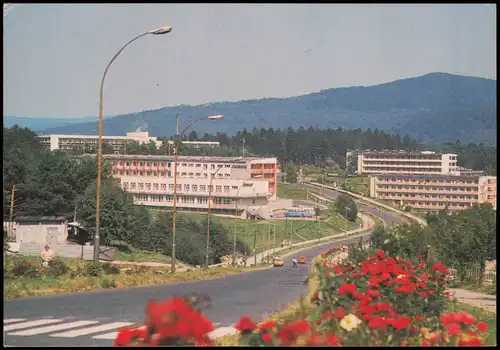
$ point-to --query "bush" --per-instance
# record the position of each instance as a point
(92, 270)
(57, 268)
(110, 269)
(22, 267)
(107, 283)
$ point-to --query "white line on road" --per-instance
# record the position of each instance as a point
(57, 327)
(30, 324)
(112, 335)
(96, 329)
(12, 320)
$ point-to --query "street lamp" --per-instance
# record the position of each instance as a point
(174, 207)
(346, 210)
(244, 184)
(158, 31)
(208, 216)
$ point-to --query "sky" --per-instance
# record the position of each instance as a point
(55, 55)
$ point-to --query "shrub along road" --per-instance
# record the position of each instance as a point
(87, 318)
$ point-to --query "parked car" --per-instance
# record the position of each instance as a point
(302, 260)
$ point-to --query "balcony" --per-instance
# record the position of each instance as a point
(402, 190)
(426, 183)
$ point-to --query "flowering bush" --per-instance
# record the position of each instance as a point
(381, 301)
(175, 322)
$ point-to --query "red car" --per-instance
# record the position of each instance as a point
(302, 260)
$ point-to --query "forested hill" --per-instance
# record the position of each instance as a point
(435, 108)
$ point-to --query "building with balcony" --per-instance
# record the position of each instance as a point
(406, 162)
(434, 192)
(237, 181)
(118, 143)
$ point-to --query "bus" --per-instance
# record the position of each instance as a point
(299, 212)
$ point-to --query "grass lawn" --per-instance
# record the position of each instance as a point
(143, 256)
(128, 275)
(290, 192)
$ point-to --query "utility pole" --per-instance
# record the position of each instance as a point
(291, 233)
(12, 199)
(244, 150)
(254, 246)
(246, 236)
(274, 238)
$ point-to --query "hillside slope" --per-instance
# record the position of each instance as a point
(436, 107)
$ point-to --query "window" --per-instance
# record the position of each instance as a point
(226, 188)
(164, 187)
(125, 185)
(190, 174)
(170, 187)
(132, 185)
(218, 188)
(139, 173)
(220, 175)
(162, 164)
(183, 174)
(198, 174)
(148, 173)
(227, 165)
(179, 188)
(205, 175)
(127, 172)
(154, 163)
(194, 188)
(210, 188)
(191, 165)
(203, 188)
(186, 188)
(162, 173)
(212, 166)
(127, 163)
(155, 173)
(198, 165)
(205, 166)
(184, 164)
(227, 175)
(226, 201)
(120, 163)
(148, 186)
(141, 186)
(235, 187)
(202, 200)
(156, 187)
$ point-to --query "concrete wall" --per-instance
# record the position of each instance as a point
(41, 233)
(68, 251)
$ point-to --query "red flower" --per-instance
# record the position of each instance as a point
(315, 339)
(470, 342)
(441, 268)
(245, 324)
(347, 288)
(423, 294)
(482, 327)
(406, 288)
(377, 322)
(127, 335)
(421, 266)
(453, 329)
(380, 253)
(373, 293)
(292, 330)
(266, 337)
(374, 281)
(332, 339)
(267, 325)
(425, 343)
(402, 322)
(340, 313)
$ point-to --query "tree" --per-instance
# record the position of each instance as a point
(345, 206)
(291, 173)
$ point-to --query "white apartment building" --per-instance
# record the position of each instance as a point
(406, 162)
(237, 181)
(119, 143)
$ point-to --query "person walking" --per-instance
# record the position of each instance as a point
(294, 262)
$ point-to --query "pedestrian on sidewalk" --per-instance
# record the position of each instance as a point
(47, 256)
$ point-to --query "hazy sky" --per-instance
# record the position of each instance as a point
(55, 55)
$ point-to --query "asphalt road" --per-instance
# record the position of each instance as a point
(390, 218)
(256, 294)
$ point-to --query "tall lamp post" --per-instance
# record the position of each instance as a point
(174, 207)
(159, 31)
(212, 176)
(244, 184)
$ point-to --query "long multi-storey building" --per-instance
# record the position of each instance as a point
(406, 162)
(235, 181)
(118, 143)
(434, 192)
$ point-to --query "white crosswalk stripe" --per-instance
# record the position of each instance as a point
(12, 320)
(52, 328)
(30, 324)
(57, 327)
(90, 330)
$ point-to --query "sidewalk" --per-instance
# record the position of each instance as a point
(481, 300)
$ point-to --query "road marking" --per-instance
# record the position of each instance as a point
(30, 324)
(222, 332)
(112, 335)
(57, 327)
(12, 320)
(96, 329)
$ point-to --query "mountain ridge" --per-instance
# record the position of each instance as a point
(435, 107)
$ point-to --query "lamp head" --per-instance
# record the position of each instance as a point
(161, 30)
(215, 117)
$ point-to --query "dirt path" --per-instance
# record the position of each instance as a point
(481, 300)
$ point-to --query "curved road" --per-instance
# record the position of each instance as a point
(256, 294)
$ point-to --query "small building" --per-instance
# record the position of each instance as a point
(41, 229)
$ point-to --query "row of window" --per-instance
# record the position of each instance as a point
(180, 199)
(429, 196)
(427, 170)
(169, 164)
(435, 204)
(412, 164)
(441, 181)
(166, 173)
(181, 188)
(428, 188)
